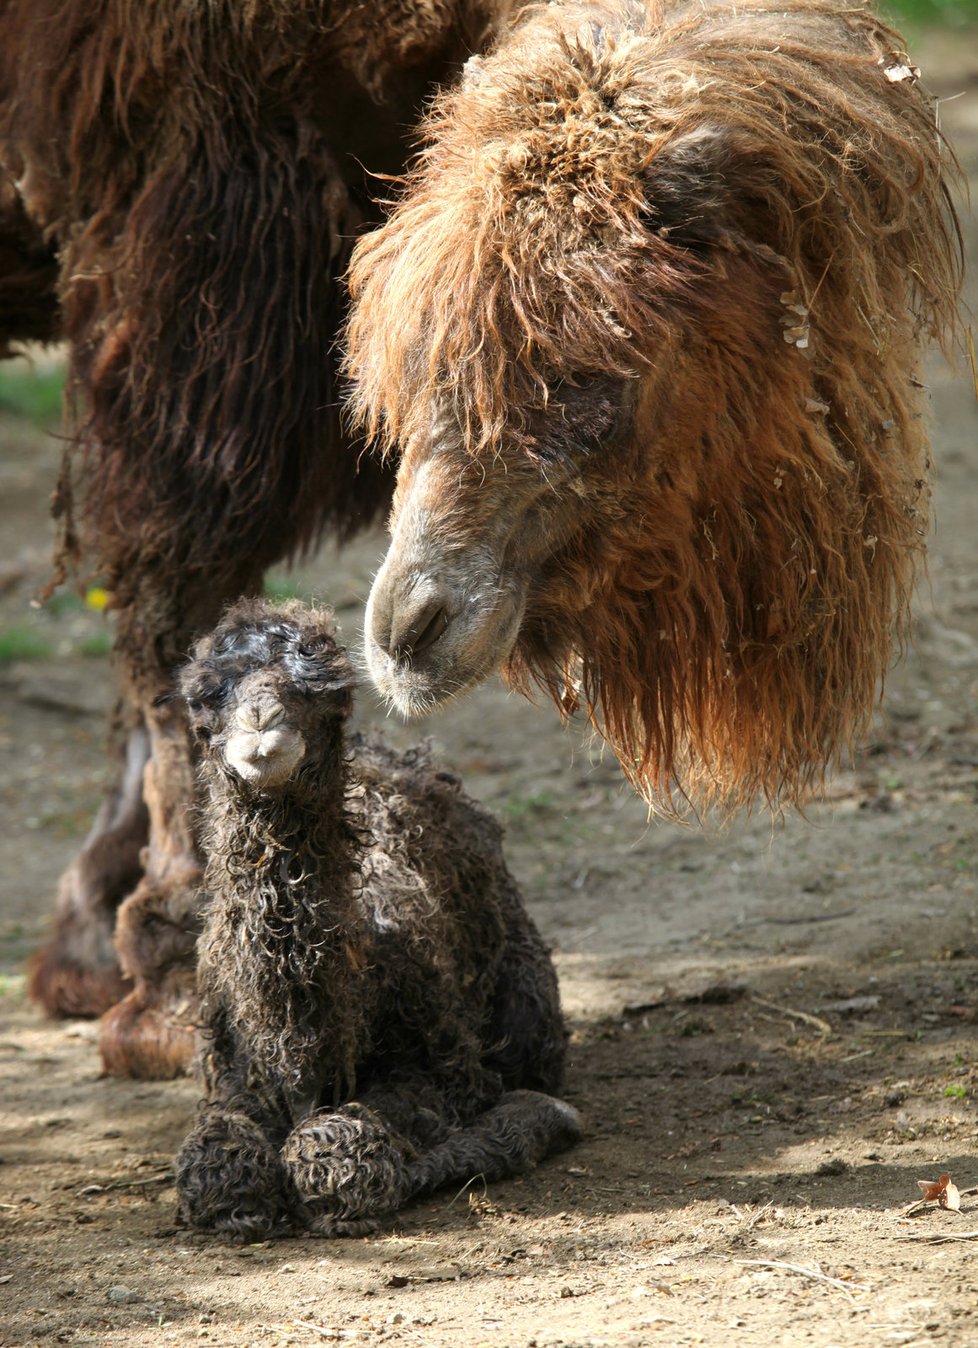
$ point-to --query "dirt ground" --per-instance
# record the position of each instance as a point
(772, 1029)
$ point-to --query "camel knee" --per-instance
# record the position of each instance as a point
(348, 1167)
(230, 1178)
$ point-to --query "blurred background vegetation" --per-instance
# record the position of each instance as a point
(916, 16)
(31, 388)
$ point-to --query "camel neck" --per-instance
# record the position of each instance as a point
(281, 953)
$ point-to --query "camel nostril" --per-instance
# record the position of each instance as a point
(419, 629)
(261, 714)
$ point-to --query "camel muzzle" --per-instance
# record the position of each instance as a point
(262, 748)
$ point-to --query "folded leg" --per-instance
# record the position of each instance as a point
(506, 1140)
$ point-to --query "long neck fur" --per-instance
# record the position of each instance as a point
(279, 958)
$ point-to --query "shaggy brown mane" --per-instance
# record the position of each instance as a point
(745, 208)
(516, 262)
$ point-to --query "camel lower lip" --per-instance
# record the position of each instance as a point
(410, 691)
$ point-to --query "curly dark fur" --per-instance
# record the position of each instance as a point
(376, 1000)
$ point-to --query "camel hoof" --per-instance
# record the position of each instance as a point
(63, 988)
(151, 1042)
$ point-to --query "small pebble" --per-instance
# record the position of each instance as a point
(123, 1295)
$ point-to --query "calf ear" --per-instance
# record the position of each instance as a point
(339, 695)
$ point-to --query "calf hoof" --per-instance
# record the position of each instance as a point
(154, 1041)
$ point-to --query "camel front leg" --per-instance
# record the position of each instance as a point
(77, 972)
(151, 1033)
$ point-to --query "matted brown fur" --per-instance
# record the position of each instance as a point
(180, 186)
(743, 208)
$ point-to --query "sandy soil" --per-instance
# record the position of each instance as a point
(773, 1029)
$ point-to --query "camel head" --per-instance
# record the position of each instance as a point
(643, 342)
(479, 541)
(267, 691)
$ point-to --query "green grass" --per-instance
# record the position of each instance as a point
(279, 588)
(22, 643)
(65, 601)
(32, 392)
(96, 647)
(916, 16)
(518, 808)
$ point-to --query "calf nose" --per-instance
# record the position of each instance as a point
(261, 713)
(265, 757)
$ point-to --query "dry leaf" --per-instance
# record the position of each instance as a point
(795, 321)
(902, 72)
(942, 1191)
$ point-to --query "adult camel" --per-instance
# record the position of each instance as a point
(180, 187)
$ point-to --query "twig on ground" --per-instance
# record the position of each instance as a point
(822, 1026)
(815, 1273)
(90, 1190)
(758, 1216)
(468, 1185)
(938, 1238)
(326, 1331)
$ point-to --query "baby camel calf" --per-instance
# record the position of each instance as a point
(379, 1012)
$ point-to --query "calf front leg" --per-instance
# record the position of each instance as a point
(151, 1032)
(230, 1177)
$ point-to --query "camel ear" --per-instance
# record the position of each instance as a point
(687, 187)
(339, 695)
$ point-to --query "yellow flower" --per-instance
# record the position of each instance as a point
(97, 598)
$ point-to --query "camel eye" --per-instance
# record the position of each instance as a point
(214, 696)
